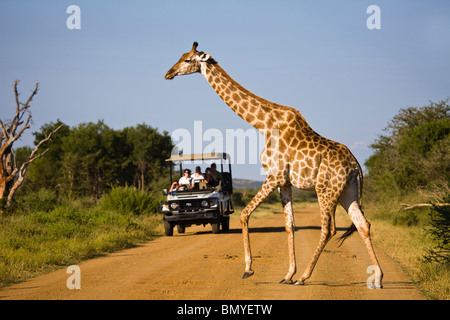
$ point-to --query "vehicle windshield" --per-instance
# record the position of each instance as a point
(200, 172)
(197, 177)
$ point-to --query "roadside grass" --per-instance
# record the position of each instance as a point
(267, 209)
(35, 242)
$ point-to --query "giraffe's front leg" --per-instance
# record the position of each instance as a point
(286, 200)
(266, 189)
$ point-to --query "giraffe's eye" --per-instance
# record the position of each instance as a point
(187, 61)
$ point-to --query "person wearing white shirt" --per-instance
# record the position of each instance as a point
(186, 179)
(197, 176)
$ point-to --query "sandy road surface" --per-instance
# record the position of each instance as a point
(202, 265)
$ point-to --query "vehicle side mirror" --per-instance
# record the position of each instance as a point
(165, 193)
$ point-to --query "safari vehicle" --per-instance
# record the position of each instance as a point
(202, 203)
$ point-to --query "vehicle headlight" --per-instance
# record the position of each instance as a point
(165, 207)
(213, 202)
(204, 203)
(174, 205)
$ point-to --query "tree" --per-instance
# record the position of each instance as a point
(11, 174)
(414, 154)
(45, 172)
(90, 158)
(149, 150)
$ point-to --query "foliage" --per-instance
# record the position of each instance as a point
(43, 200)
(414, 154)
(439, 230)
(86, 160)
(241, 197)
(127, 200)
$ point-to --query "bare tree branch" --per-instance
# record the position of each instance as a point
(24, 167)
(420, 205)
(11, 177)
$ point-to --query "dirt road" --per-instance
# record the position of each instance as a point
(202, 265)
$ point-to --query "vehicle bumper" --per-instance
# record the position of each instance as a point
(193, 217)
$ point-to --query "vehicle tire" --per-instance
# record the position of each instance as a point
(226, 223)
(181, 228)
(216, 225)
(168, 228)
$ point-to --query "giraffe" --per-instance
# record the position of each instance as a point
(294, 155)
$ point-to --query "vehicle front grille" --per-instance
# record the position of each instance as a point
(191, 205)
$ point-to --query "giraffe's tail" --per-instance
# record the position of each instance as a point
(352, 227)
(360, 174)
(347, 234)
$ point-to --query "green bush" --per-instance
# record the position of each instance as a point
(439, 230)
(129, 200)
(237, 198)
(413, 154)
(404, 218)
(42, 200)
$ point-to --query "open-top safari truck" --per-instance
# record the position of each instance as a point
(200, 202)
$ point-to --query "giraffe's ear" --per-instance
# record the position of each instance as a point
(205, 57)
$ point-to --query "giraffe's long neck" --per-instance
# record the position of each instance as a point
(253, 109)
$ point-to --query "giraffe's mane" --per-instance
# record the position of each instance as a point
(264, 102)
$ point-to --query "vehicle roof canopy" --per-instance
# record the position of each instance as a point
(199, 156)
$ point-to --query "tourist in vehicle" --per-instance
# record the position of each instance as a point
(197, 176)
(186, 179)
(210, 179)
(174, 187)
(216, 173)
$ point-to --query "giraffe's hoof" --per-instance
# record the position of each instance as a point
(248, 274)
(299, 283)
(284, 281)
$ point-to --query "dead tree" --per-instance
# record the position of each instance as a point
(11, 175)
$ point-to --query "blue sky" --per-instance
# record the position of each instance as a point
(317, 56)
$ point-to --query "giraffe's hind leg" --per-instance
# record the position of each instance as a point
(349, 200)
(328, 230)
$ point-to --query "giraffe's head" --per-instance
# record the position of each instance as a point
(189, 62)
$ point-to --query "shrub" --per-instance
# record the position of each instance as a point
(43, 200)
(129, 200)
(439, 230)
(237, 198)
